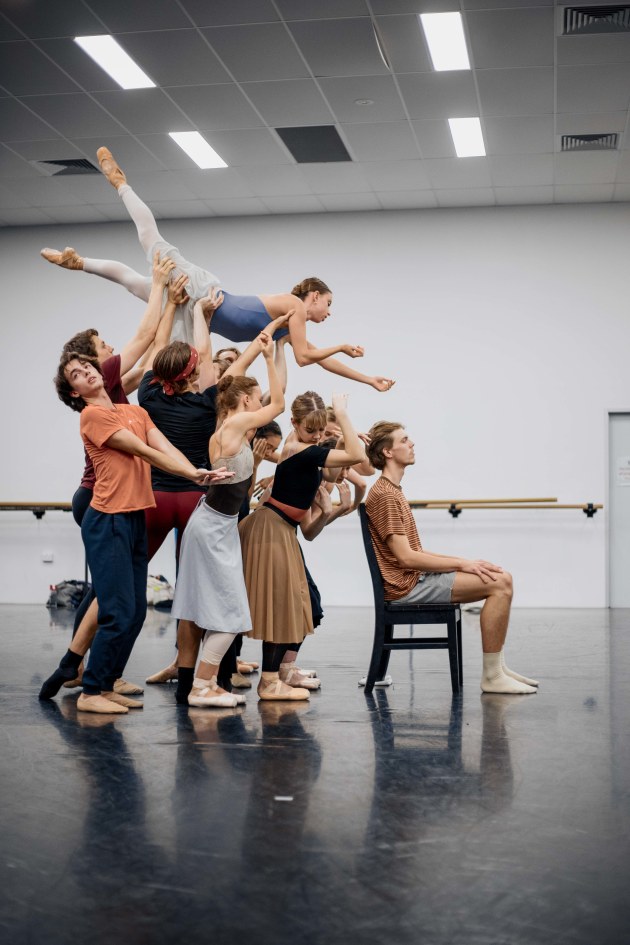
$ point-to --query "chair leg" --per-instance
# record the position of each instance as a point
(460, 654)
(377, 653)
(385, 654)
(453, 655)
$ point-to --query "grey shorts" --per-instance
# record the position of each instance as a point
(432, 588)
(199, 280)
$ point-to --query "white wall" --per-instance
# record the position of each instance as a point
(507, 331)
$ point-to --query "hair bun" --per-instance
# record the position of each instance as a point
(225, 382)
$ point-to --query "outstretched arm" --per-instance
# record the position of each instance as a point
(305, 352)
(161, 453)
(251, 352)
(203, 311)
(343, 370)
(147, 328)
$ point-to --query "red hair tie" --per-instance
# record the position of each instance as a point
(167, 386)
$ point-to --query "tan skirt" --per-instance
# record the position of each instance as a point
(276, 585)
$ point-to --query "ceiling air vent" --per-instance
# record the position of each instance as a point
(589, 142)
(578, 21)
(319, 144)
(66, 167)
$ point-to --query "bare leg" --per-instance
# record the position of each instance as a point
(495, 616)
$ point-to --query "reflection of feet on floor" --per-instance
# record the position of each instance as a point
(166, 675)
(206, 724)
(279, 713)
(124, 688)
(67, 258)
(100, 705)
(68, 709)
(109, 168)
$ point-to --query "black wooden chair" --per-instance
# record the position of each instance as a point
(389, 613)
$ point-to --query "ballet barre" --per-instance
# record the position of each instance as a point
(456, 506)
(38, 509)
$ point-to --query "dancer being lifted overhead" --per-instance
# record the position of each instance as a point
(239, 317)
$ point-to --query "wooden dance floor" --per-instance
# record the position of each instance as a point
(409, 817)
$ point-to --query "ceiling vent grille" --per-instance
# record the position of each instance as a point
(589, 142)
(579, 21)
(318, 144)
(66, 167)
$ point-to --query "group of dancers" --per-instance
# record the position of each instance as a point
(186, 458)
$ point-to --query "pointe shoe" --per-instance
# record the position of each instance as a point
(109, 168)
(272, 687)
(380, 683)
(246, 669)
(239, 682)
(124, 688)
(167, 675)
(77, 681)
(123, 700)
(67, 259)
(100, 704)
(309, 673)
(292, 676)
(209, 697)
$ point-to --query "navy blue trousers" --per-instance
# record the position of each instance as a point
(116, 548)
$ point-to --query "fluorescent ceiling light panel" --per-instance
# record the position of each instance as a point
(111, 57)
(467, 137)
(197, 148)
(445, 37)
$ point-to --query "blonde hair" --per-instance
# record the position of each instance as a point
(309, 409)
(312, 284)
(380, 435)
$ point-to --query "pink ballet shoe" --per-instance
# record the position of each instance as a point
(67, 258)
(109, 168)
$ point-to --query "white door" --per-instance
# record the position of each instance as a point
(619, 509)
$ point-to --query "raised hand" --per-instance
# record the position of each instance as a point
(345, 496)
(210, 302)
(177, 291)
(323, 500)
(266, 345)
(162, 269)
(259, 451)
(382, 383)
(339, 403)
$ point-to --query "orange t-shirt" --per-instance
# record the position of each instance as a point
(123, 481)
(389, 513)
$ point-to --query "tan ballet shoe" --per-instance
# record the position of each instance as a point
(109, 168)
(272, 687)
(123, 700)
(239, 682)
(100, 704)
(124, 688)
(246, 669)
(312, 673)
(291, 675)
(67, 259)
(167, 675)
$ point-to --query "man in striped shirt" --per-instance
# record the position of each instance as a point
(412, 575)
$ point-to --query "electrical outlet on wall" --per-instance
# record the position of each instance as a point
(48, 557)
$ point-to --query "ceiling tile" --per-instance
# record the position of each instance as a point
(434, 138)
(514, 92)
(51, 149)
(11, 198)
(600, 88)
(335, 178)
(175, 57)
(593, 193)
(47, 192)
(80, 214)
(515, 196)
(403, 40)
(339, 47)
(161, 186)
(622, 192)
(407, 199)
(594, 124)
(581, 50)
(25, 216)
(180, 209)
(587, 167)
(440, 94)
(135, 16)
(412, 6)
(143, 111)
(92, 189)
(386, 141)
(250, 147)
(623, 168)
(306, 203)
(235, 207)
(401, 175)
(519, 135)
(13, 167)
(24, 70)
(508, 170)
(219, 182)
(323, 9)
(342, 95)
(348, 202)
(449, 173)
(483, 197)
(169, 155)
(37, 20)
(230, 12)
(19, 123)
(510, 38)
(216, 106)
(292, 102)
(80, 67)
(112, 211)
(499, 4)
(257, 53)
(129, 154)
(284, 180)
(74, 116)
(9, 33)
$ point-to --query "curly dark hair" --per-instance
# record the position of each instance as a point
(63, 386)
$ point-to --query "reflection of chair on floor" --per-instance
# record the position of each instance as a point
(387, 614)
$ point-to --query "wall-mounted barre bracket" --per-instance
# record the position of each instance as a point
(590, 510)
(454, 510)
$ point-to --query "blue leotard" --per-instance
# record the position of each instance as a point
(242, 318)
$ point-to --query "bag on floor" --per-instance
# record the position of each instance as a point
(67, 594)
(159, 592)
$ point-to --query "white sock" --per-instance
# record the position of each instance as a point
(493, 679)
(510, 672)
